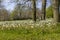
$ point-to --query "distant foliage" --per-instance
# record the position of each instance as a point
(20, 14)
(4, 15)
(49, 12)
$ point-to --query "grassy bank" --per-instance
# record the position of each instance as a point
(27, 30)
(46, 32)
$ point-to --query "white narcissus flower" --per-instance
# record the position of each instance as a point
(37, 24)
(32, 26)
(3, 25)
(12, 25)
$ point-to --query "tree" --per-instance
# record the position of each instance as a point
(3, 14)
(56, 10)
(34, 10)
(43, 10)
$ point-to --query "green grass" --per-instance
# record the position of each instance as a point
(28, 33)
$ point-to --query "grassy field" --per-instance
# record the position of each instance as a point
(27, 30)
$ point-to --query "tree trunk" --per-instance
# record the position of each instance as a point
(43, 16)
(56, 10)
(59, 9)
(34, 10)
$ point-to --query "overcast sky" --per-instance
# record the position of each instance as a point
(10, 6)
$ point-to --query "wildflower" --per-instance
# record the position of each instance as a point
(3, 25)
(32, 26)
(12, 25)
(37, 24)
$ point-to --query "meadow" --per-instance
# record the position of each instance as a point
(28, 30)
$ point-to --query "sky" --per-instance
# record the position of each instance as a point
(10, 6)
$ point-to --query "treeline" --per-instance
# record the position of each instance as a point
(15, 15)
(21, 11)
(27, 9)
(28, 14)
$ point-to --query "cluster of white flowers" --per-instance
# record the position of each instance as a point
(27, 23)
